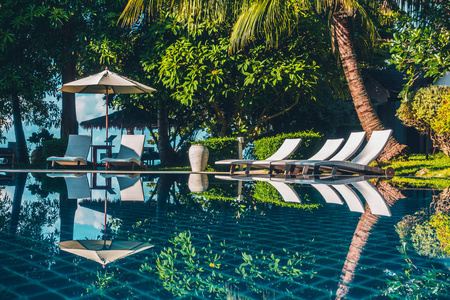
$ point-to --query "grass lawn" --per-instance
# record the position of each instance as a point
(417, 171)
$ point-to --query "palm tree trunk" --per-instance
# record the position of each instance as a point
(21, 148)
(364, 109)
(361, 236)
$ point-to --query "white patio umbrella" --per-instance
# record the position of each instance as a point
(106, 82)
(103, 251)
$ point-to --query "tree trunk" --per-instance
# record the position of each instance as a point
(361, 236)
(19, 187)
(364, 109)
(166, 153)
(21, 144)
(69, 124)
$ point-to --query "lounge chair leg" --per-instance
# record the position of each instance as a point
(232, 167)
(333, 171)
(291, 169)
(247, 170)
(305, 170)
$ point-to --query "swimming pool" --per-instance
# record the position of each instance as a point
(233, 237)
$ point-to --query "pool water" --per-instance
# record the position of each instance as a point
(232, 238)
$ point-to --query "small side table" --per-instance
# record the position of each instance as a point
(95, 148)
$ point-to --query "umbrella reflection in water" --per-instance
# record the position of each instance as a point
(106, 250)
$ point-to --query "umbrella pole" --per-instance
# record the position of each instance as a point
(106, 200)
(106, 116)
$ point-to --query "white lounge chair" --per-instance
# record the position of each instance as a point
(328, 193)
(130, 188)
(368, 191)
(328, 149)
(130, 152)
(76, 152)
(350, 147)
(360, 164)
(374, 199)
(286, 149)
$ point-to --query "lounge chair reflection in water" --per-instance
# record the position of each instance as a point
(332, 190)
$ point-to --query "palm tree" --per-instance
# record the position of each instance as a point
(273, 19)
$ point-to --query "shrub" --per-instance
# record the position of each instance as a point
(220, 148)
(427, 110)
(265, 147)
(54, 147)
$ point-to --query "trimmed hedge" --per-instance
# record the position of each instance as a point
(265, 147)
(226, 148)
(219, 148)
(427, 110)
(54, 147)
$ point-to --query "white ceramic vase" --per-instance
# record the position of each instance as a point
(198, 157)
(198, 183)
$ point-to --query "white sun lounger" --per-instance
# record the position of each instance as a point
(328, 193)
(350, 147)
(77, 185)
(286, 149)
(360, 164)
(328, 149)
(76, 152)
(130, 188)
(130, 152)
(374, 199)
(330, 186)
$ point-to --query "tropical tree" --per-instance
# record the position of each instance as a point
(26, 70)
(79, 32)
(276, 19)
(421, 43)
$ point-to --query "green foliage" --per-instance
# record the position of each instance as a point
(441, 223)
(219, 148)
(267, 193)
(46, 146)
(426, 110)
(425, 241)
(428, 234)
(54, 147)
(418, 171)
(240, 94)
(421, 41)
(183, 268)
(103, 284)
(265, 147)
(417, 283)
(40, 137)
(264, 267)
(26, 69)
